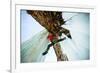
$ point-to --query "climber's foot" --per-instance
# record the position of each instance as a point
(44, 53)
(69, 35)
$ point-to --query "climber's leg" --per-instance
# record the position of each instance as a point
(66, 32)
(44, 53)
(61, 39)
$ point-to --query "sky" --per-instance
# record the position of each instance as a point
(29, 26)
(76, 49)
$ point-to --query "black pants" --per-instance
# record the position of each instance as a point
(51, 44)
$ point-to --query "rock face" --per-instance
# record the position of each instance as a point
(52, 21)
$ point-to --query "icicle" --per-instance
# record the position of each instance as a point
(32, 49)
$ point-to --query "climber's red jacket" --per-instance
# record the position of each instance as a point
(51, 37)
